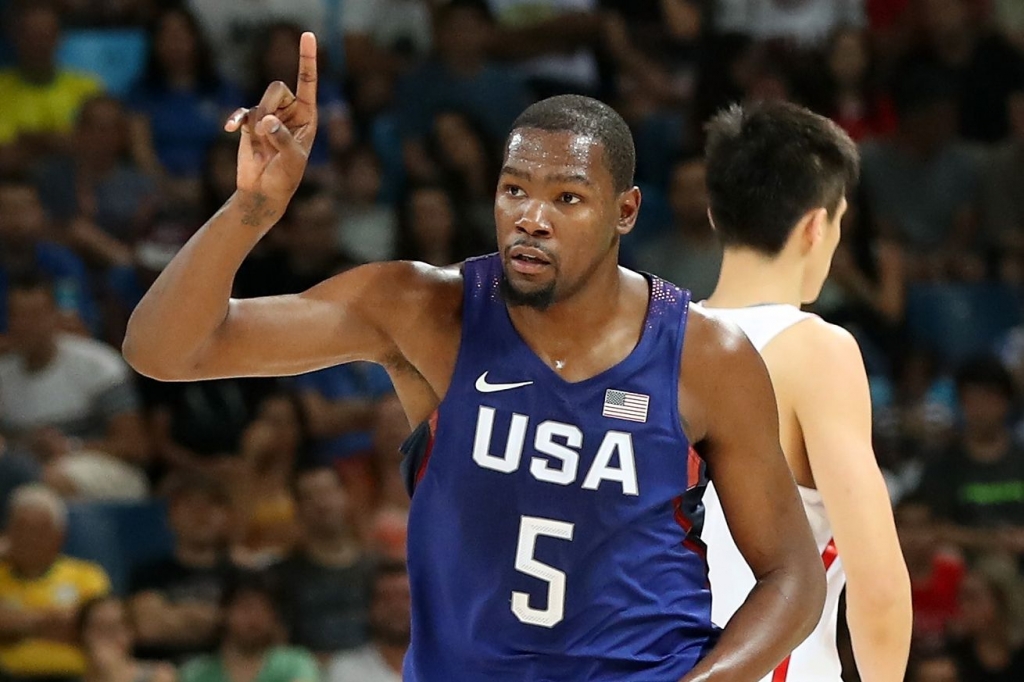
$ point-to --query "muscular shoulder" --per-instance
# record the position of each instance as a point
(817, 367)
(711, 339)
(718, 361)
(814, 351)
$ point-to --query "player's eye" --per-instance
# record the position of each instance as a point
(514, 190)
(569, 198)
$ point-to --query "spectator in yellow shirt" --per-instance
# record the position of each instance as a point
(38, 100)
(41, 591)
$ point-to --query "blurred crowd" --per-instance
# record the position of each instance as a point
(254, 530)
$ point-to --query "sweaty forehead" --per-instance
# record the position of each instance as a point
(545, 151)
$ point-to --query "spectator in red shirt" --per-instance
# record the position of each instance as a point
(936, 571)
(854, 100)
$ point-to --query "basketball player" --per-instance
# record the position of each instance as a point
(550, 537)
(777, 176)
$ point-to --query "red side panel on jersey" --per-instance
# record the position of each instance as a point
(422, 471)
(781, 672)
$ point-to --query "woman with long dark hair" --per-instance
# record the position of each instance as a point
(854, 98)
(179, 102)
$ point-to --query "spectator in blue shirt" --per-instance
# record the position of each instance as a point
(459, 77)
(340, 403)
(180, 103)
(23, 250)
(278, 60)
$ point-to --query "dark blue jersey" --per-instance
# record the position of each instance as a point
(548, 536)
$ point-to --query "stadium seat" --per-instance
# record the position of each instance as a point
(958, 320)
(116, 56)
(118, 536)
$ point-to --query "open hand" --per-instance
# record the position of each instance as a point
(278, 134)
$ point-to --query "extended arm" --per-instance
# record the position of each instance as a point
(187, 327)
(736, 403)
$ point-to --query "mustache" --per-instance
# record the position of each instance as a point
(531, 243)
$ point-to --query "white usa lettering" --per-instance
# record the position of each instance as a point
(560, 446)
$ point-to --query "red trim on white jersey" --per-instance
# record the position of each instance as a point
(828, 557)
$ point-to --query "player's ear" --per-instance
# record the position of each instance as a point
(812, 229)
(629, 209)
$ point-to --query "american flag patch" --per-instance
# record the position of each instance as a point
(625, 405)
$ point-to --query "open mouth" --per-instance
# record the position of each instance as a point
(528, 260)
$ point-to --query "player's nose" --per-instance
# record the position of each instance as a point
(533, 220)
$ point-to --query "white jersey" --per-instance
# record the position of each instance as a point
(816, 659)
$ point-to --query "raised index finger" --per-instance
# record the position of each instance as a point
(306, 90)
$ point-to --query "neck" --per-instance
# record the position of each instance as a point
(393, 655)
(199, 556)
(39, 357)
(567, 325)
(749, 278)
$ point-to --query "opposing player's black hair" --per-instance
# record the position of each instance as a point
(768, 165)
(587, 116)
(985, 371)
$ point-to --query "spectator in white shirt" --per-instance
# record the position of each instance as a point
(70, 400)
(381, 659)
(808, 23)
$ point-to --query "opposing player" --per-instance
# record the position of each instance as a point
(777, 176)
(551, 535)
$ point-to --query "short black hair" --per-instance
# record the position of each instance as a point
(587, 116)
(985, 371)
(768, 165)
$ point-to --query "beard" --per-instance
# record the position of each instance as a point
(539, 300)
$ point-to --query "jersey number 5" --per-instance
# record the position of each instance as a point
(530, 528)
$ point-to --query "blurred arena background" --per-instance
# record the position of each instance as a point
(154, 532)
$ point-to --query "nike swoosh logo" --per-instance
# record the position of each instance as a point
(484, 387)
